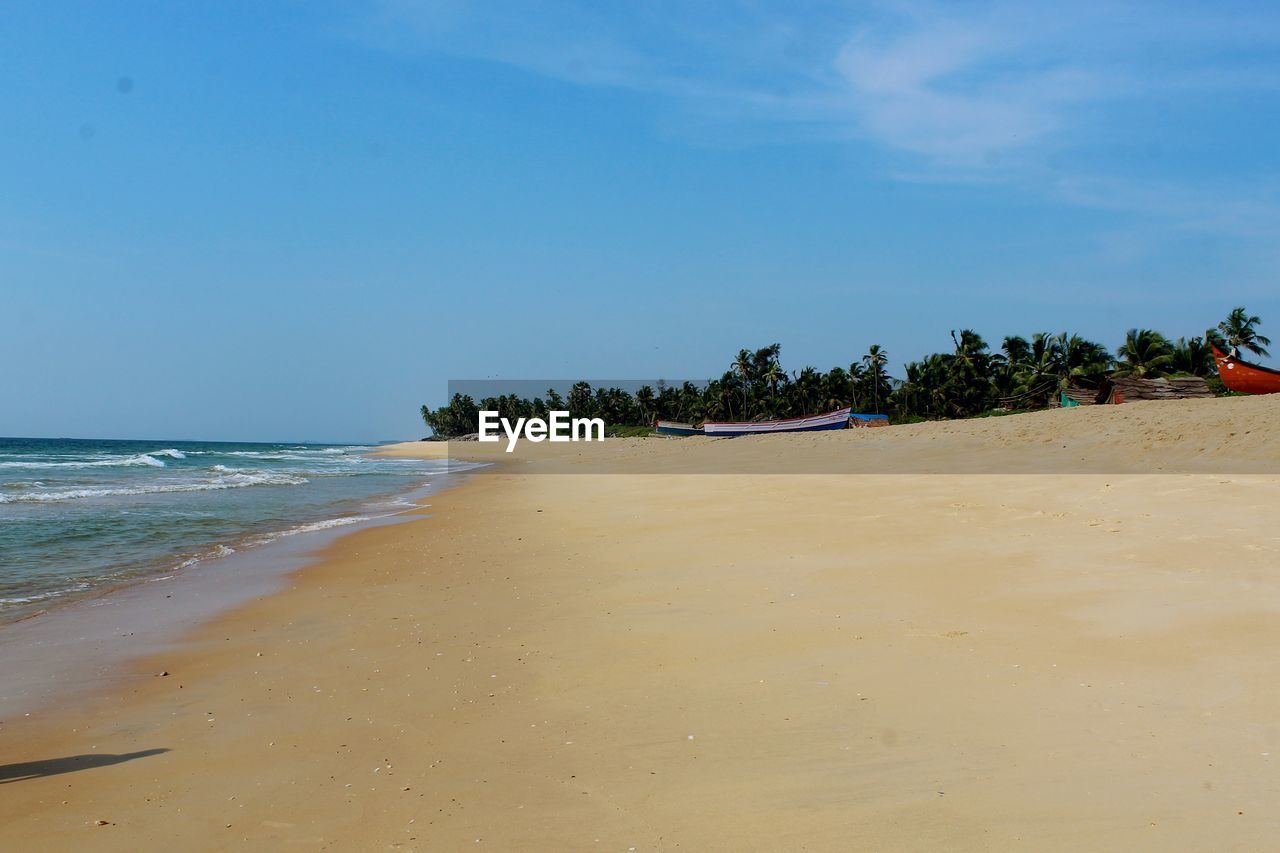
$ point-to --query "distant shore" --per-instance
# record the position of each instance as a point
(793, 656)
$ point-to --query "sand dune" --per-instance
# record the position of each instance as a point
(817, 661)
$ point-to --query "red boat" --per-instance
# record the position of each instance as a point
(1245, 377)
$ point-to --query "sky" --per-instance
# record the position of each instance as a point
(299, 220)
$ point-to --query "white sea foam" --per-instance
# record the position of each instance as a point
(272, 455)
(144, 459)
(311, 527)
(323, 525)
(283, 453)
(42, 596)
(114, 462)
(228, 481)
(218, 551)
(29, 599)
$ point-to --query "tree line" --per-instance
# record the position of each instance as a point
(970, 379)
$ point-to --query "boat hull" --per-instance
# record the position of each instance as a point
(1245, 378)
(838, 419)
(676, 429)
(863, 421)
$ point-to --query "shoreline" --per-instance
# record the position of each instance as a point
(750, 662)
(94, 637)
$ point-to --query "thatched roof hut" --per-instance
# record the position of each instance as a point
(1129, 389)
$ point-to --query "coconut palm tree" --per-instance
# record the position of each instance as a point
(857, 377)
(773, 376)
(970, 385)
(836, 389)
(691, 403)
(647, 403)
(1081, 358)
(875, 360)
(1144, 353)
(742, 365)
(1016, 349)
(808, 390)
(1240, 330)
(1193, 357)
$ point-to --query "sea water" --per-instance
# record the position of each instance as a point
(78, 516)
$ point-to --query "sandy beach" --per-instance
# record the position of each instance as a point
(1056, 631)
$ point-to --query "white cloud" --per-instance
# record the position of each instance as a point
(949, 92)
(930, 89)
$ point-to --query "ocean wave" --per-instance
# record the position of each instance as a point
(117, 462)
(218, 551)
(42, 596)
(313, 527)
(249, 454)
(229, 481)
(268, 538)
(291, 471)
(283, 452)
(273, 455)
(322, 525)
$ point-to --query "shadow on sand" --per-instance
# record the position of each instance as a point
(56, 766)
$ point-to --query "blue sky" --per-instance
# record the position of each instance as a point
(299, 220)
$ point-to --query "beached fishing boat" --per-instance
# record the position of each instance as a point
(1244, 377)
(675, 428)
(839, 419)
(857, 420)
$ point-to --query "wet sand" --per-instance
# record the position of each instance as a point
(835, 661)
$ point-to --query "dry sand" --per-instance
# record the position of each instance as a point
(753, 661)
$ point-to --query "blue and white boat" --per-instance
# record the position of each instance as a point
(675, 428)
(839, 419)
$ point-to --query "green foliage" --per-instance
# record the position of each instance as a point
(1193, 357)
(620, 431)
(968, 381)
(1240, 330)
(1145, 353)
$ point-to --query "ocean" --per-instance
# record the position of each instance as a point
(78, 516)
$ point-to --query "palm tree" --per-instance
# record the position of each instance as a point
(1037, 372)
(646, 401)
(836, 390)
(1144, 353)
(808, 387)
(970, 384)
(720, 394)
(773, 374)
(1240, 330)
(1016, 349)
(1081, 358)
(875, 360)
(742, 366)
(1193, 357)
(857, 376)
(691, 403)
(1059, 360)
